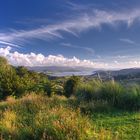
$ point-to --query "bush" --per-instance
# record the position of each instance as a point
(70, 86)
(58, 89)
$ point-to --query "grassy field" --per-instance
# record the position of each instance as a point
(58, 118)
(122, 125)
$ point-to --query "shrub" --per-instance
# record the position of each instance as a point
(70, 86)
(58, 89)
(48, 88)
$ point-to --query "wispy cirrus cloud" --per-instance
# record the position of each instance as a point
(81, 22)
(128, 41)
(86, 49)
(77, 7)
(10, 44)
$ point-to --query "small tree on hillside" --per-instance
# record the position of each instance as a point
(70, 86)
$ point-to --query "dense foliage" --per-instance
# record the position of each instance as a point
(17, 81)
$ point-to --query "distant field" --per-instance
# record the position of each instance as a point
(38, 117)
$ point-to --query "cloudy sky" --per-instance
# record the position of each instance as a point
(90, 33)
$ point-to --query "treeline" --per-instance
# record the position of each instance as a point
(17, 81)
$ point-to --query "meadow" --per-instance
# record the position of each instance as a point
(56, 118)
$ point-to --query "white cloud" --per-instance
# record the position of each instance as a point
(82, 22)
(122, 57)
(32, 59)
(5, 51)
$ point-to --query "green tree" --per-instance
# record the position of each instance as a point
(70, 86)
(19, 80)
(7, 78)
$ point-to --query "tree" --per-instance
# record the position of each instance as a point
(19, 80)
(7, 78)
(70, 86)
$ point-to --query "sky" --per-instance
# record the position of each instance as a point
(88, 33)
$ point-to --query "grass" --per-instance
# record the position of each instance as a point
(123, 125)
(116, 95)
(58, 118)
(38, 117)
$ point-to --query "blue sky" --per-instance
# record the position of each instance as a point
(91, 33)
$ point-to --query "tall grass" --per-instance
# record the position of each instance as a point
(131, 99)
(89, 91)
(38, 117)
(111, 93)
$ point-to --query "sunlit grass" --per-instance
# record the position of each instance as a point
(36, 117)
(58, 118)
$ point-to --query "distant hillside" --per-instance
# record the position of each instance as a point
(58, 69)
(119, 72)
(62, 70)
(104, 74)
(132, 74)
(52, 69)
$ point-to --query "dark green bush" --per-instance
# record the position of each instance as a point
(70, 86)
